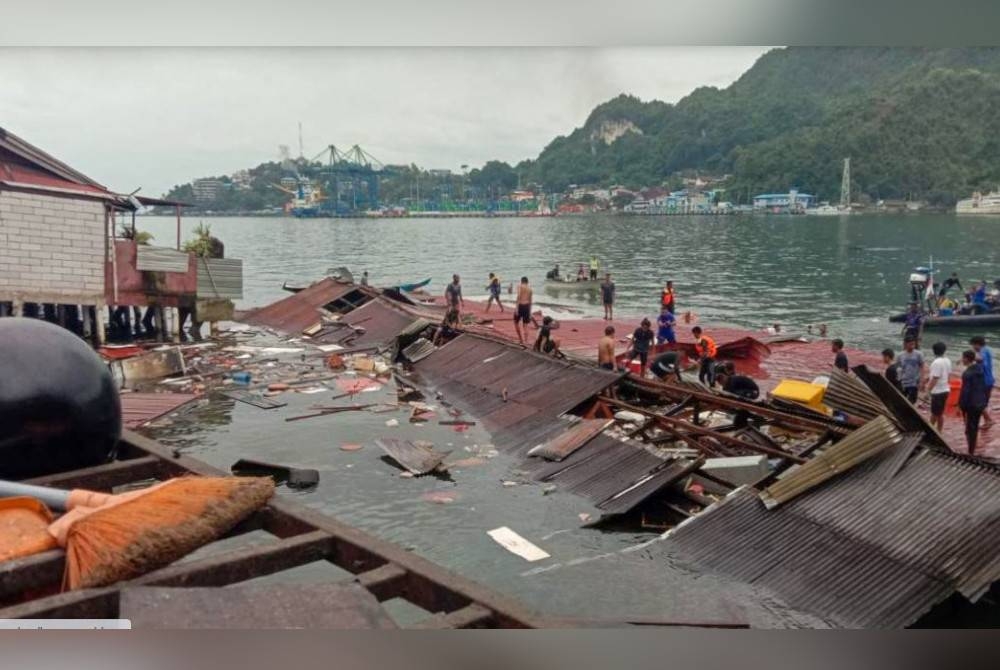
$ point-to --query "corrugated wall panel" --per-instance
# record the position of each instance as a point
(160, 259)
(220, 278)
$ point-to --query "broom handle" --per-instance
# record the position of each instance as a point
(55, 499)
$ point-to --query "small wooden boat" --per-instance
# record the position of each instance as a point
(566, 284)
(413, 287)
(293, 288)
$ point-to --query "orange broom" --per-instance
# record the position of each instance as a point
(129, 534)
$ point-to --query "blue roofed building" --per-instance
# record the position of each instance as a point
(784, 203)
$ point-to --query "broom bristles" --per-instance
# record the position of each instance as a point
(151, 530)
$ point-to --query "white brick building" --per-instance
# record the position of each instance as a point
(53, 231)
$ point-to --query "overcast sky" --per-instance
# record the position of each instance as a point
(158, 117)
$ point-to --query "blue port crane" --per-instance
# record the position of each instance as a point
(350, 178)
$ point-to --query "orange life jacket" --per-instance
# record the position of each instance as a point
(705, 347)
(668, 297)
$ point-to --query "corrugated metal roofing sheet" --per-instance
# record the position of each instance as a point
(299, 310)
(867, 548)
(905, 414)
(381, 323)
(849, 395)
(856, 448)
(220, 278)
(138, 408)
(160, 259)
(504, 384)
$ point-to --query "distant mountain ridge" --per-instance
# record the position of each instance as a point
(916, 122)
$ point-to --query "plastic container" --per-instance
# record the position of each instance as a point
(805, 393)
(955, 389)
(241, 377)
(634, 367)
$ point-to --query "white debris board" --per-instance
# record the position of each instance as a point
(516, 544)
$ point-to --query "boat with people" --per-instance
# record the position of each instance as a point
(981, 308)
(980, 204)
(579, 280)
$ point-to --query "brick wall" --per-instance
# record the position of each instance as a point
(51, 245)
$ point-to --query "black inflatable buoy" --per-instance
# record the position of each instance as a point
(59, 407)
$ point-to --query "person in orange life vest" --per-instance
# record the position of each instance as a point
(667, 298)
(704, 346)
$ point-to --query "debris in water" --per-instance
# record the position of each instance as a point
(440, 497)
(294, 478)
(350, 446)
(516, 544)
(413, 456)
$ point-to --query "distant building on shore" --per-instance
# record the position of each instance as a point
(793, 201)
(206, 190)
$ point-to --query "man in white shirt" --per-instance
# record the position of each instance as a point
(937, 382)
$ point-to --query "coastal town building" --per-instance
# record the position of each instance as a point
(206, 190)
(793, 201)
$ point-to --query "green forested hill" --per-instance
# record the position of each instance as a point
(915, 122)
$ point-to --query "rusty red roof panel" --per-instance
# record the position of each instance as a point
(21, 175)
(299, 310)
(138, 408)
(380, 320)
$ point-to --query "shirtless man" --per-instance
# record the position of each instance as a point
(606, 349)
(522, 315)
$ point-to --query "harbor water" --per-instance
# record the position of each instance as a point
(748, 271)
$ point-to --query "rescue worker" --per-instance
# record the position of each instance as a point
(704, 347)
(667, 297)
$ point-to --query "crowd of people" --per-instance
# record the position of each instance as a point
(910, 375)
(655, 350)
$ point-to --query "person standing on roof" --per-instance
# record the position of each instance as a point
(891, 368)
(606, 349)
(642, 342)
(608, 297)
(911, 368)
(595, 267)
(704, 347)
(453, 294)
(985, 356)
(937, 384)
(839, 357)
(665, 327)
(494, 291)
(364, 278)
(667, 297)
(973, 398)
(522, 312)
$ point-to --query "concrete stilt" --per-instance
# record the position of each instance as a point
(99, 324)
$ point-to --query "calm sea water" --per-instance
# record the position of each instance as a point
(848, 272)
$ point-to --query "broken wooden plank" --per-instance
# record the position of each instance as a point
(255, 399)
(153, 365)
(415, 458)
(568, 441)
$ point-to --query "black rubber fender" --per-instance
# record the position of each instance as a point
(59, 405)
